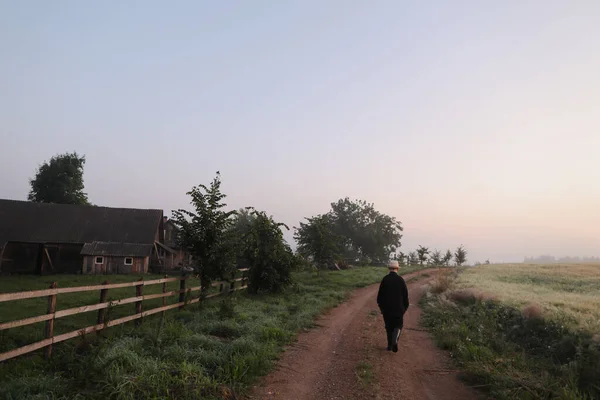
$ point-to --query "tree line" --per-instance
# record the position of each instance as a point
(424, 256)
(222, 240)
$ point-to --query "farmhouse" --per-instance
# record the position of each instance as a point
(181, 257)
(61, 238)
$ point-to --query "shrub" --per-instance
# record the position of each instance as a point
(442, 281)
(470, 296)
(270, 258)
(532, 311)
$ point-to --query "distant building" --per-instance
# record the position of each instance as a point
(180, 256)
(60, 238)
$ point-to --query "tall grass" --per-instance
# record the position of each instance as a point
(566, 293)
(214, 350)
(509, 351)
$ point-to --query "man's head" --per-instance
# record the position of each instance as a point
(393, 266)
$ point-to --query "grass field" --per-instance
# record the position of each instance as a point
(214, 350)
(521, 331)
(566, 293)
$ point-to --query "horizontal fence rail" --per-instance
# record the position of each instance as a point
(51, 314)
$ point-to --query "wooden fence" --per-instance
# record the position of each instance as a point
(54, 291)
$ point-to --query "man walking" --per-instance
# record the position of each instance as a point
(392, 300)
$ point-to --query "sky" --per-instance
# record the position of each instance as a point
(471, 122)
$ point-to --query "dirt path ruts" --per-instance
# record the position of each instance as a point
(325, 363)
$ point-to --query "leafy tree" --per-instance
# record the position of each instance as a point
(242, 225)
(59, 181)
(436, 258)
(365, 232)
(243, 220)
(447, 258)
(351, 230)
(401, 257)
(317, 241)
(422, 252)
(460, 255)
(207, 232)
(268, 255)
(413, 258)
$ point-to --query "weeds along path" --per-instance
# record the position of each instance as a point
(345, 357)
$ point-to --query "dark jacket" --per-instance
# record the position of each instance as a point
(392, 298)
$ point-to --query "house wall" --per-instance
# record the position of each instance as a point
(114, 265)
(181, 258)
(170, 234)
(159, 235)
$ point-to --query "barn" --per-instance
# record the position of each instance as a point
(61, 238)
(115, 258)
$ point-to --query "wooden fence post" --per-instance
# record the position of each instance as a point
(164, 299)
(182, 291)
(221, 288)
(102, 311)
(201, 292)
(138, 304)
(50, 323)
(231, 286)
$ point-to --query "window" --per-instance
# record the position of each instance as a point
(128, 260)
(99, 260)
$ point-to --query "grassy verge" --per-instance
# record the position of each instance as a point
(511, 355)
(213, 350)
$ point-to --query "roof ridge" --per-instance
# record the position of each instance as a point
(80, 205)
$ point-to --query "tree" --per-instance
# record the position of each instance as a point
(351, 230)
(242, 225)
(436, 258)
(413, 258)
(365, 233)
(401, 257)
(59, 181)
(268, 255)
(317, 241)
(460, 256)
(447, 258)
(422, 253)
(207, 232)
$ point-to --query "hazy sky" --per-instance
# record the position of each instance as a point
(472, 122)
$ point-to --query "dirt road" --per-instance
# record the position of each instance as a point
(345, 357)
